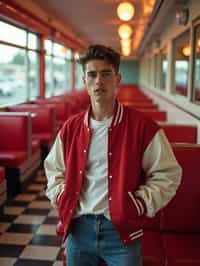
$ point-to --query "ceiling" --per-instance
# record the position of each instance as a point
(96, 21)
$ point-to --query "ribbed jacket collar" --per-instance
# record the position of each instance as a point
(117, 117)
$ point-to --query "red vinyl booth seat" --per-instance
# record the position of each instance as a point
(12, 158)
(61, 109)
(15, 138)
(156, 115)
(19, 156)
(180, 133)
(141, 106)
(43, 121)
(180, 220)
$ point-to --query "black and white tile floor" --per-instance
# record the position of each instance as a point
(27, 229)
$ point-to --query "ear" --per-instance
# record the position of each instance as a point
(119, 77)
(83, 78)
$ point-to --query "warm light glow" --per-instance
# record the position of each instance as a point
(151, 2)
(198, 42)
(76, 55)
(148, 6)
(186, 50)
(125, 31)
(125, 42)
(126, 51)
(64, 50)
(125, 11)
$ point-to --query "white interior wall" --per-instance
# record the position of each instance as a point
(174, 114)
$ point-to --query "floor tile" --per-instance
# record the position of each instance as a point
(36, 187)
(36, 211)
(32, 262)
(17, 203)
(47, 229)
(53, 213)
(40, 204)
(42, 197)
(4, 227)
(15, 238)
(25, 197)
(13, 210)
(6, 261)
(29, 219)
(7, 218)
(40, 252)
(42, 193)
(51, 220)
(22, 228)
(10, 250)
(46, 240)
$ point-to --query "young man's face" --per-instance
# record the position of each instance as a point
(101, 81)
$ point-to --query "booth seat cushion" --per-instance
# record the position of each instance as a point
(153, 223)
(182, 214)
(152, 249)
(35, 145)
(12, 158)
(44, 138)
(182, 249)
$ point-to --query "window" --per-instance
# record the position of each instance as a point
(196, 86)
(12, 75)
(33, 75)
(79, 74)
(18, 65)
(164, 67)
(182, 54)
(12, 34)
(57, 69)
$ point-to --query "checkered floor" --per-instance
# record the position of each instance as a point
(27, 229)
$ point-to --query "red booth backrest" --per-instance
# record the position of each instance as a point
(180, 133)
(182, 214)
(16, 131)
(43, 117)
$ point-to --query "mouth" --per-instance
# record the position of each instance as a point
(98, 91)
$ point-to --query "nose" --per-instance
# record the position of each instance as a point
(98, 78)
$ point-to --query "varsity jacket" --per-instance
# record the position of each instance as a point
(143, 174)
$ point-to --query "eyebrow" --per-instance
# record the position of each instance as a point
(102, 71)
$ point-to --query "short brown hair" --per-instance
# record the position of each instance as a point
(100, 52)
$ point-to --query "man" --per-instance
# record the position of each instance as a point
(110, 168)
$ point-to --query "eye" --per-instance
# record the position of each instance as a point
(106, 74)
(91, 74)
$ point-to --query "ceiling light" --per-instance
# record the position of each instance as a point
(125, 11)
(125, 31)
(186, 51)
(125, 42)
(126, 51)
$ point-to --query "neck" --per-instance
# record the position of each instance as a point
(101, 112)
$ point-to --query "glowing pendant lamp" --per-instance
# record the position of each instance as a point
(186, 51)
(126, 51)
(125, 31)
(125, 11)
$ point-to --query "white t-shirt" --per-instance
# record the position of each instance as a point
(94, 192)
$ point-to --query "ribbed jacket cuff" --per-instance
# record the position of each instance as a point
(141, 205)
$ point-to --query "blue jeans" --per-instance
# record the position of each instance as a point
(93, 238)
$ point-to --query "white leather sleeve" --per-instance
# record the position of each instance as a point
(55, 171)
(163, 174)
